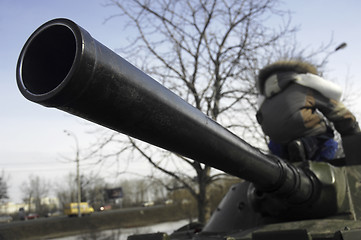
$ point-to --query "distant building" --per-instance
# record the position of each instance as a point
(10, 207)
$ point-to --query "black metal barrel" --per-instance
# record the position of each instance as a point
(62, 66)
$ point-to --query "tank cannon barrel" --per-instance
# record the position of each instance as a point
(62, 66)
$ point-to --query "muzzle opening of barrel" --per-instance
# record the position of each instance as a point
(48, 59)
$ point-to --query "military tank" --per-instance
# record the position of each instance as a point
(62, 66)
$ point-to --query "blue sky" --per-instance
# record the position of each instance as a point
(32, 140)
(31, 136)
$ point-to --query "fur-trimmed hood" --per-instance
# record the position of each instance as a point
(291, 66)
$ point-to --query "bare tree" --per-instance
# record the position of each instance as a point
(94, 188)
(34, 191)
(139, 191)
(208, 52)
(3, 187)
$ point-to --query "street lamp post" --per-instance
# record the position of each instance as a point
(77, 168)
(338, 48)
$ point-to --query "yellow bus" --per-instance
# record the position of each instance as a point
(71, 209)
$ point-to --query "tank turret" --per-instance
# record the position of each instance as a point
(63, 66)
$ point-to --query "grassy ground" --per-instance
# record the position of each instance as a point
(63, 226)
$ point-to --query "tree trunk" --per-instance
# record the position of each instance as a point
(204, 208)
